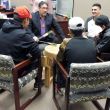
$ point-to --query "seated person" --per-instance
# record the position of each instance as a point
(17, 42)
(78, 49)
(43, 22)
(103, 42)
(90, 27)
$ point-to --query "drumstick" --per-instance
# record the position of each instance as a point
(49, 43)
(46, 34)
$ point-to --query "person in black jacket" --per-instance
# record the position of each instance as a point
(78, 49)
(43, 22)
(17, 42)
(103, 42)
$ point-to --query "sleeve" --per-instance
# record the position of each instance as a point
(31, 28)
(103, 45)
(86, 24)
(57, 28)
(30, 46)
(62, 49)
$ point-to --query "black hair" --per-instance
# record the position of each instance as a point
(97, 4)
(102, 20)
(77, 32)
(16, 17)
(42, 3)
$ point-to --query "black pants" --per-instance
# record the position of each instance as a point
(59, 79)
(36, 64)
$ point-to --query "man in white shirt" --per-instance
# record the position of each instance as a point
(90, 27)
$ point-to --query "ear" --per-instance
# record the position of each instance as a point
(70, 33)
(25, 20)
(103, 27)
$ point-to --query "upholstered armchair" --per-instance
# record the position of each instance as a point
(84, 82)
(10, 80)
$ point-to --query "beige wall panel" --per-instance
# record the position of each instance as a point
(21, 2)
(83, 7)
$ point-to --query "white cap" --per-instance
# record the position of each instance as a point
(76, 23)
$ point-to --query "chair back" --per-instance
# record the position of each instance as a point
(6, 65)
(92, 79)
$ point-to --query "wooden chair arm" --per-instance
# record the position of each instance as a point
(22, 64)
(63, 71)
(18, 67)
(105, 56)
(100, 59)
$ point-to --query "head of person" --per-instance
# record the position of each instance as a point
(22, 15)
(43, 8)
(2, 8)
(96, 9)
(76, 26)
(102, 21)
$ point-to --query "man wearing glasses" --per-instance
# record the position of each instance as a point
(42, 22)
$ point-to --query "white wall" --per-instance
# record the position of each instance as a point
(83, 8)
(21, 2)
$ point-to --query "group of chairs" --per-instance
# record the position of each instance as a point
(84, 82)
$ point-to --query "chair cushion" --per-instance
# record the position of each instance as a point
(27, 78)
(78, 97)
(89, 81)
(8, 85)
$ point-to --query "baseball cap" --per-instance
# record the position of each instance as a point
(102, 20)
(76, 23)
(23, 12)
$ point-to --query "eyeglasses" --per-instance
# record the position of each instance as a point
(94, 9)
(44, 8)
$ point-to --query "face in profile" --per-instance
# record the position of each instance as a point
(96, 11)
(26, 23)
(43, 10)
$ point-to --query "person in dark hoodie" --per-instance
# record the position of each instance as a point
(17, 42)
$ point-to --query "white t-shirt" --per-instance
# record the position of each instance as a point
(93, 29)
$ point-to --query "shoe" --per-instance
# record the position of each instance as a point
(36, 84)
(60, 91)
(1, 90)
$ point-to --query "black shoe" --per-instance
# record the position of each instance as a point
(60, 91)
(1, 90)
(36, 84)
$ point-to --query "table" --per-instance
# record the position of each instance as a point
(50, 52)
